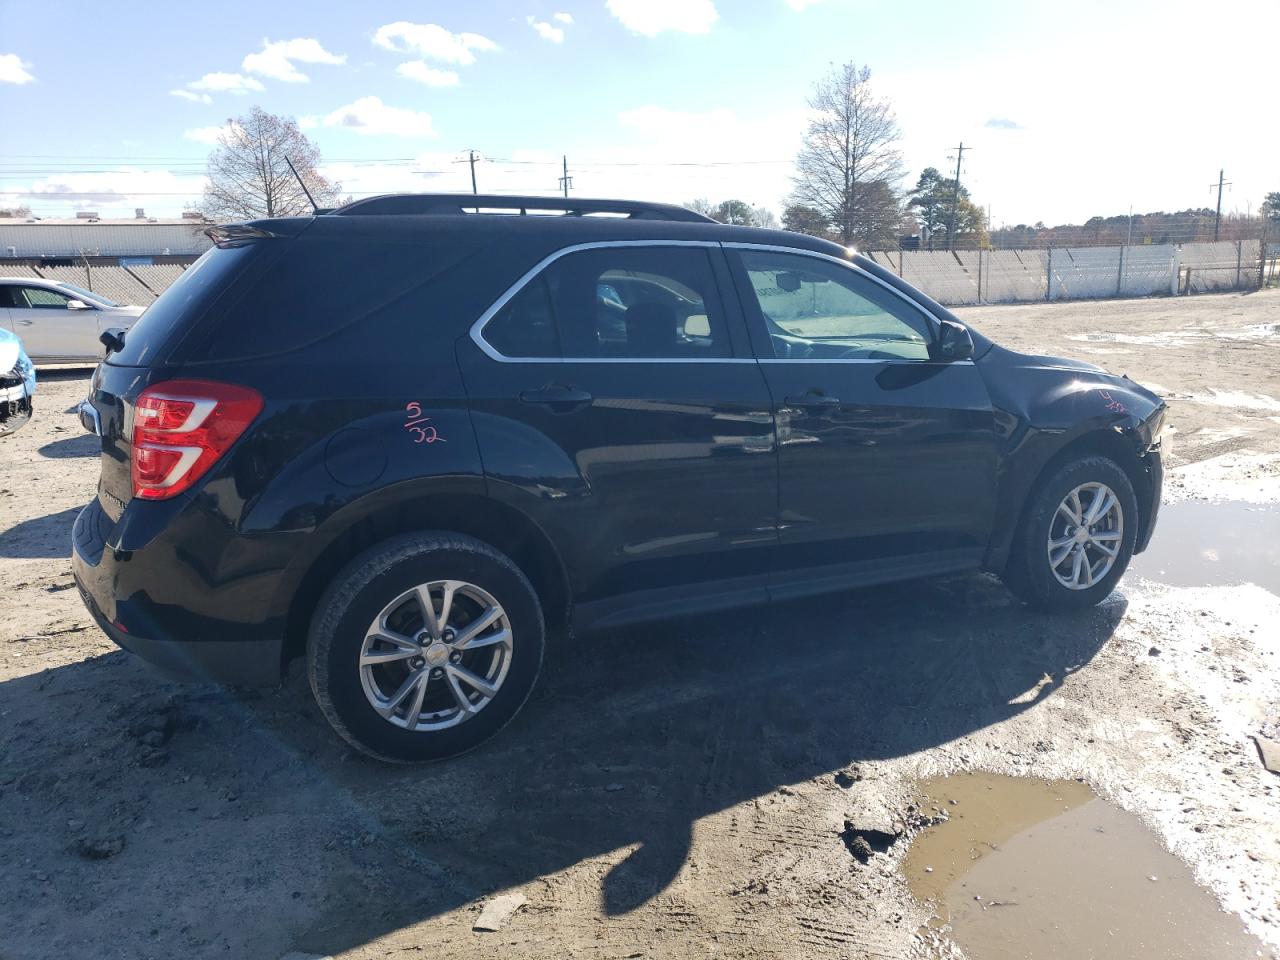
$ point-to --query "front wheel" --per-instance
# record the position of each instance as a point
(425, 646)
(1076, 536)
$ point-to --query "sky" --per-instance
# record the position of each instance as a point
(1066, 111)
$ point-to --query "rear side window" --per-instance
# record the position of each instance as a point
(626, 302)
(322, 288)
(185, 301)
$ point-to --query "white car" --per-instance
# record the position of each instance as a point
(60, 321)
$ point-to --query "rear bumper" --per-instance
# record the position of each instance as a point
(120, 590)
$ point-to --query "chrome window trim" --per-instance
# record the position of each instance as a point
(477, 328)
(882, 360)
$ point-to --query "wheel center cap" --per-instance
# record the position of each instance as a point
(436, 654)
(1082, 535)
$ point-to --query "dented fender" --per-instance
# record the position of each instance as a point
(1043, 405)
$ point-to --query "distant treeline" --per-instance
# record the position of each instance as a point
(1185, 226)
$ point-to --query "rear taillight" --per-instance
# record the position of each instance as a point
(181, 428)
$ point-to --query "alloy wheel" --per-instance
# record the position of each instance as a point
(436, 655)
(1085, 536)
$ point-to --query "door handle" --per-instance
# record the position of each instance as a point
(559, 398)
(812, 399)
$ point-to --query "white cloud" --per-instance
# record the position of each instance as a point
(193, 97)
(423, 72)
(652, 17)
(207, 135)
(547, 31)
(432, 42)
(370, 116)
(225, 83)
(13, 70)
(275, 59)
(562, 17)
(430, 172)
(799, 5)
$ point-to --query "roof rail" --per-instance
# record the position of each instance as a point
(442, 204)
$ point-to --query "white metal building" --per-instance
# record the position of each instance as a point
(139, 237)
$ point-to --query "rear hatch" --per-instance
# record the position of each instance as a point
(154, 346)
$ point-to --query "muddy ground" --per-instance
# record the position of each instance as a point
(676, 791)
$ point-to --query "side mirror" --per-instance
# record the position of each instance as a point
(954, 342)
(112, 339)
(788, 281)
(78, 305)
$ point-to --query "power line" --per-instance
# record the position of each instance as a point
(109, 166)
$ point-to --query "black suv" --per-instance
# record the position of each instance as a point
(408, 438)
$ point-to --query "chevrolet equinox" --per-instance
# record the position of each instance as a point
(410, 438)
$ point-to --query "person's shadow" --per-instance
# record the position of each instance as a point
(630, 738)
(43, 537)
(81, 445)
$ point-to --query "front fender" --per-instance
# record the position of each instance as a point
(1044, 406)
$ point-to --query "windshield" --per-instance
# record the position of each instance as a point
(89, 295)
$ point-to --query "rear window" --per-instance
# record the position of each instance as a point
(183, 303)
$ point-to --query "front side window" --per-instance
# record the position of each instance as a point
(816, 310)
(88, 295)
(628, 302)
(38, 298)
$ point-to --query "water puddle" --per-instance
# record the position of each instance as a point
(1034, 869)
(1200, 543)
(1237, 398)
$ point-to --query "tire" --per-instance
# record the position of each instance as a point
(390, 573)
(1030, 573)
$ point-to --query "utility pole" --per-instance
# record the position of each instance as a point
(955, 197)
(1129, 242)
(471, 156)
(1217, 217)
(566, 181)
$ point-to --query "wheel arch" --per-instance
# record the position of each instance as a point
(1123, 446)
(501, 526)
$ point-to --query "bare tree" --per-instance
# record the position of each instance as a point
(736, 212)
(249, 176)
(849, 164)
(764, 217)
(703, 206)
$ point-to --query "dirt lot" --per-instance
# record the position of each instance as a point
(669, 792)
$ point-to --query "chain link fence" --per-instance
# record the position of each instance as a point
(951, 277)
(1077, 273)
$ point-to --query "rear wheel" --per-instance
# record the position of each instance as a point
(1076, 536)
(425, 646)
